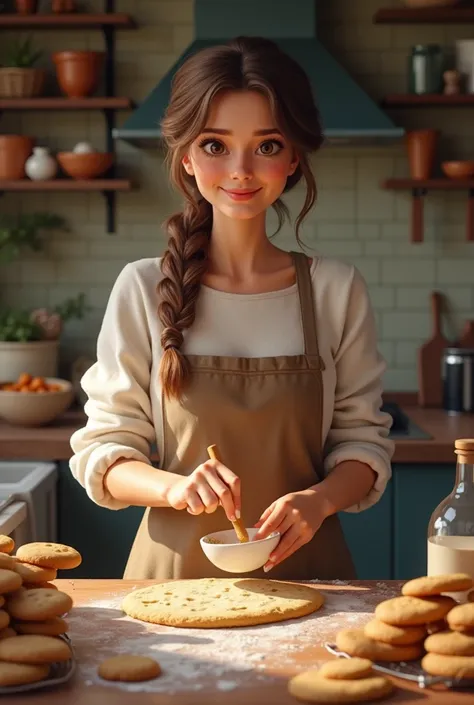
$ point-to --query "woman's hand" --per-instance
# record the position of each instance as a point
(297, 516)
(209, 486)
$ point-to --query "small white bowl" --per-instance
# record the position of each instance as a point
(235, 557)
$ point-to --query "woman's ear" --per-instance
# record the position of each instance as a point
(293, 164)
(188, 167)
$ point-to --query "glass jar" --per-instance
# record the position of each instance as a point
(425, 69)
(451, 527)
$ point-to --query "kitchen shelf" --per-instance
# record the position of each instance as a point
(76, 20)
(107, 187)
(429, 15)
(59, 103)
(419, 189)
(408, 100)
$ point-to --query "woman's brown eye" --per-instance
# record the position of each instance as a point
(214, 148)
(270, 148)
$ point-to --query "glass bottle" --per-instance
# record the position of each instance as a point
(451, 527)
(425, 71)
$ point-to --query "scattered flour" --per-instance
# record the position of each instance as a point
(215, 659)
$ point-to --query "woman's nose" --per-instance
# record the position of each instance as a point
(241, 168)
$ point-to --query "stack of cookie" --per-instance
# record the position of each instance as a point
(340, 681)
(405, 627)
(32, 609)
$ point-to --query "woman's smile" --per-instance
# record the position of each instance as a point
(240, 194)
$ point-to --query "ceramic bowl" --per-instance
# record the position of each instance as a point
(33, 408)
(85, 166)
(459, 169)
(235, 557)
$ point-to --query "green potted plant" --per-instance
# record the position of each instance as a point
(19, 78)
(29, 340)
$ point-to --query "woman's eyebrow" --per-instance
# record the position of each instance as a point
(258, 133)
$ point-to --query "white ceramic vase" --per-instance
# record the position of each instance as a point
(41, 166)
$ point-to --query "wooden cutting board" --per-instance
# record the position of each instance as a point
(430, 354)
(467, 336)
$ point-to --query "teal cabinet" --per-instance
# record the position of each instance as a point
(102, 536)
(417, 491)
(369, 536)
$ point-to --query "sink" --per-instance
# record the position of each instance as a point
(403, 426)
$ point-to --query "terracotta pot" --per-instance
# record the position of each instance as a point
(421, 148)
(14, 151)
(78, 72)
(60, 6)
(26, 7)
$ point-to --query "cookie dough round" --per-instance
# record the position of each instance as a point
(390, 634)
(7, 562)
(34, 649)
(9, 581)
(449, 666)
(461, 617)
(7, 544)
(21, 673)
(450, 644)
(33, 574)
(50, 627)
(346, 669)
(437, 584)
(129, 668)
(355, 643)
(411, 611)
(49, 555)
(221, 602)
(38, 604)
(309, 686)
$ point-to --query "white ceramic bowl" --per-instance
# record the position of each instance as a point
(235, 557)
(34, 409)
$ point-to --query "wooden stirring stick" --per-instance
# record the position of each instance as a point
(239, 528)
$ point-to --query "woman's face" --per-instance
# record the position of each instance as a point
(240, 160)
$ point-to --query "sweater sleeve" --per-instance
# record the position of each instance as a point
(359, 429)
(118, 408)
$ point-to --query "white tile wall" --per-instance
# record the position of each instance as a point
(354, 219)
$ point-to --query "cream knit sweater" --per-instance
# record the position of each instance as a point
(124, 397)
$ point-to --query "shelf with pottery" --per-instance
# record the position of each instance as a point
(424, 15)
(78, 20)
(63, 103)
(413, 100)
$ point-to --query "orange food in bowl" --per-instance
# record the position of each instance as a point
(27, 383)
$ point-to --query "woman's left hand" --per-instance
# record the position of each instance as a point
(297, 516)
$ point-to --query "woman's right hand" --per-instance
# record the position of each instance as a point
(209, 486)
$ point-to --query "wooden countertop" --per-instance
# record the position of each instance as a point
(253, 668)
(52, 442)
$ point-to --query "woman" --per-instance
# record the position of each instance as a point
(230, 340)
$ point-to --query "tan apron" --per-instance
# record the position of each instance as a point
(265, 415)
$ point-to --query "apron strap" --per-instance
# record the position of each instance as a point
(305, 291)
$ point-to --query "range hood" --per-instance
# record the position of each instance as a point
(347, 112)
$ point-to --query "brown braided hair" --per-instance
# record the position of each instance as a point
(245, 63)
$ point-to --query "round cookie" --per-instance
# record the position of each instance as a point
(390, 634)
(346, 669)
(9, 581)
(411, 611)
(437, 584)
(34, 649)
(129, 668)
(221, 602)
(33, 574)
(461, 617)
(7, 633)
(21, 673)
(309, 686)
(450, 644)
(38, 604)
(7, 544)
(7, 562)
(449, 666)
(355, 643)
(50, 627)
(49, 555)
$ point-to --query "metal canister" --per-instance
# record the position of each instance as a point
(425, 70)
(458, 380)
